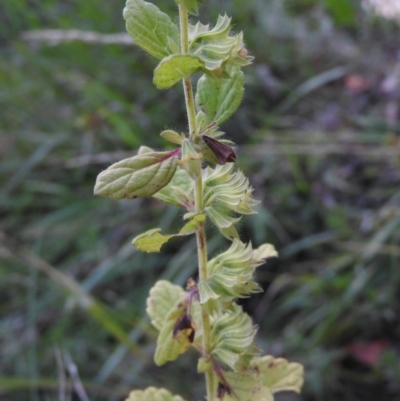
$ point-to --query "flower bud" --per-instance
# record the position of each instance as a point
(224, 153)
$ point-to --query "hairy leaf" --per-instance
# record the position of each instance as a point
(163, 297)
(140, 176)
(179, 191)
(278, 374)
(243, 387)
(220, 98)
(150, 28)
(173, 68)
(232, 336)
(224, 222)
(153, 394)
(153, 240)
(191, 226)
(172, 136)
(216, 48)
(171, 341)
(227, 192)
(230, 274)
(219, 33)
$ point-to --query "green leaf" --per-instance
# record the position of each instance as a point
(203, 365)
(191, 160)
(232, 336)
(140, 176)
(172, 343)
(216, 48)
(172, 136)
(224, 222)
(151, 29)
(278, 374)
(219, 98)
(206, 292)
(227, 192)
(230, 274)
(215, 54)
(191, 226)
(173, 68)
(191, 6)
(153, 394)
(179, 191)
(219, 33)
(244, 387)
(163, 297)
(153, 240)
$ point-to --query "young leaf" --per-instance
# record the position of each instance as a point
(173, 68)
(278, 374)
(220, 98)
(172, 136)
(203, 365)
(150, 28)
(191, 226)
(227, 192)
(230, 274)
(153, 240)
(224, 222)
(243, 387)
(179, 191)
(153, 394)
(174, 338)
(163, 297)
(217, 34)
(214, 55)
(232, 335)
(216, 48)
(140, 176)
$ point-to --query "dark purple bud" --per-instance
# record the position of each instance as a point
(224, 153)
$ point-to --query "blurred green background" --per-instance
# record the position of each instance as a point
(318, 134)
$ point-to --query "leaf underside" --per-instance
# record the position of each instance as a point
(140, 176)
(150, 28)
(174, 68)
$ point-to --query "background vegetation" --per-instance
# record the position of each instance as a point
(318, 135)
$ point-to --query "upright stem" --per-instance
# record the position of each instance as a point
(200, 233)
(187, 84)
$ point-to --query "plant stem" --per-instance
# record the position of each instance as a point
(202, 257)
(187, 84)
(200, 233)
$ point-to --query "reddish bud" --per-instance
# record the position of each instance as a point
(224, 153)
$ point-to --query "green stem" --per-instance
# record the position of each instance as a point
(187, 84)
(200, 233)
(203, 274)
